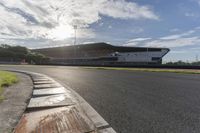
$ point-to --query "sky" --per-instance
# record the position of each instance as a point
(173, 24)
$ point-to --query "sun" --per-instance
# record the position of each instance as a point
(61, 32)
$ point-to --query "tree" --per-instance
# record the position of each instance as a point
(19, 53)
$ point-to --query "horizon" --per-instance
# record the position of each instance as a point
(136, 23)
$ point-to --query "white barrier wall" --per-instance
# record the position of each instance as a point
(141, 56)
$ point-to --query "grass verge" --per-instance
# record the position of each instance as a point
(184, 71)
(6, 79)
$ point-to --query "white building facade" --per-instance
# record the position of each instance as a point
(145, 56)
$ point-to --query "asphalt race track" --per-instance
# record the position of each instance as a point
(134, 102)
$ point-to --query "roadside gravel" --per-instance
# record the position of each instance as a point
(15, 102)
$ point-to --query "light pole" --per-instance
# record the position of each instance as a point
(75, 28)
(147, 55)
(197, 58)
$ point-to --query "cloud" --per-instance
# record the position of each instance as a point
(137, 30)
(54, 19)
(136, 42)
(174, 30)
(176, 36)
(139, 39)
(101, 24)
(110, 27)
(131, 44)
(188, 14)
(198, 1)
(179, 42)
(126, 10)
(197, 28)
(192, 15)
(178, 51)
(171, 41)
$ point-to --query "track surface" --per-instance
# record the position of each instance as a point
(134, 102)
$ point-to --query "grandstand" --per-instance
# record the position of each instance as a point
(103, 52)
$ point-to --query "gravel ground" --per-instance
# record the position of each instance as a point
(14, 104)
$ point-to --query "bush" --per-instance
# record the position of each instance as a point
(36, 58)
(181, 63)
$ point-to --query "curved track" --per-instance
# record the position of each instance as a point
(132, 101)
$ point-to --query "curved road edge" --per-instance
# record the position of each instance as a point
(55, 107)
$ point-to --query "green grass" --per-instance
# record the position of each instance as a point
(6, 79)
(184, 71)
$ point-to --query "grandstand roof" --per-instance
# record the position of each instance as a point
(100, 46)
(104, 47)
